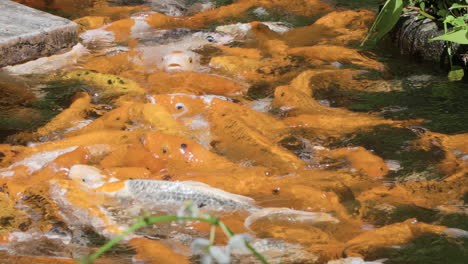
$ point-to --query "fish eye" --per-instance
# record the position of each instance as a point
(210, 39)
(190, 60)
(179, 106)
(183, 145)
(163, 58)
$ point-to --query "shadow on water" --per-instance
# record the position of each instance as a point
(427, 249)
(442, 104)
(392, 143)
(36, 112)
(425, 93)
(358, 4)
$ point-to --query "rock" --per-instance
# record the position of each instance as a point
(411, 36)
(27, 34)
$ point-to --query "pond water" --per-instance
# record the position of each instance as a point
(268, 99)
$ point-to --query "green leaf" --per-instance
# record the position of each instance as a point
(456, 74)
(386, 19)
(449, 19)
(459, 36)
(458, 6)
(442, 13)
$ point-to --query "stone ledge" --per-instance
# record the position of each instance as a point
(27, 33)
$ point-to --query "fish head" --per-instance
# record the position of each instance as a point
(181, 105)
(214, 37)
(187, 105)
(179, 61)
(175, 149)
(87, 176)
(182, 154)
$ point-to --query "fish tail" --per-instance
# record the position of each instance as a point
(285, 214)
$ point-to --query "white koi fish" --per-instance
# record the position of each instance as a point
(169, 196)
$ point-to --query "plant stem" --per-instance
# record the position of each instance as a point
(226, 230)
(212, 234)
(229, 234)
(149, 220)
(255, 253)
(139, 224)
(142, 222)
(426, 15)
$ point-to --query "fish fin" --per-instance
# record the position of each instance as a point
(281, 214)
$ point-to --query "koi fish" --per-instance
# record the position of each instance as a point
(180, 61)
(148, 38)
(173, 194)
(169, 196)
(158, 50)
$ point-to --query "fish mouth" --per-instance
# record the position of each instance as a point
(174, 67)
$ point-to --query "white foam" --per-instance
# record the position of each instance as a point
(238, 30)
(261, 105)
(200, 128)
(199, 123)
(207, 99)
(99, 34)
(140, 27)
(241, 30)
(78, 125)
(393, 165)
(260, 11)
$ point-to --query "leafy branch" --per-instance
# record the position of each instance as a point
(452, 13)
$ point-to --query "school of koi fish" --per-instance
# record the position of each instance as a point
(170, 116)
